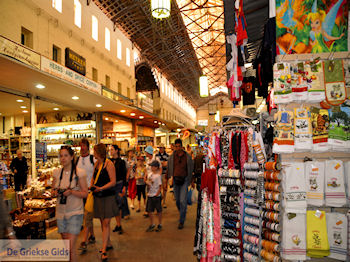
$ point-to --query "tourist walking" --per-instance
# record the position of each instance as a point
(180, 168)
(140, 176)
(120, 188)
(105, 205)
(131, 167)
(69, 183)
(87, 162)
(163, 157)
(19, 167)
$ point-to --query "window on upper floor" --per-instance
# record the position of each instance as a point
(56, 54)
(26, 37)
(119, 88)
(94, 27)
(119, 49)
(107, 39)
(94, 74)
(77, 13)
(128, 92)
(108, 81)
(128, 57)
(57, 4)
(162, 82)
(136, 57)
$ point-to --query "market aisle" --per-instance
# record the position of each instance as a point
(136, 245)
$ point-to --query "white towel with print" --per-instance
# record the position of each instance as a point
(294, 236)
(337, 227)
(347, 180)
(294, 187)
(348, 215)
(334, 183)
(314, 173)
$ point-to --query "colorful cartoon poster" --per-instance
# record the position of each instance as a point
(311, 26)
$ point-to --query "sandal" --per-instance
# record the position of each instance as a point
(107, 249)
(104, 257)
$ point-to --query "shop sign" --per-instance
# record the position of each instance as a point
(18, 52)
(65, 73)
(75, 61)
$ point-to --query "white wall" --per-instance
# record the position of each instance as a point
(51, 27)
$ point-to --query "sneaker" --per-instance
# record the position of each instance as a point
(151, 228)
(117, 229)
(82, 247)
(180, 226)
(92, 240)
(159, 228)
(132, 207)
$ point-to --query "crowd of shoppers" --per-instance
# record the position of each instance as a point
(110, 180)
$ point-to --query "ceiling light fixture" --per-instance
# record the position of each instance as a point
(155, 121)
(75, 97)
(19, 100)
(122, 111)
(116, 121)
(23, 107)
(132, 114)
(40, 86)
(163, 124)
(98, 105)
(160, 8)
(106, 118)
(56, 108)
(141, 117)
(25, 111)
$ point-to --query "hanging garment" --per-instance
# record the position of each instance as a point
(315, 176)
(198, 235)
(316, 85)
(302, 130)
(283, 141)
(316, 234)
(334, 183)
(225, 145)
(320, 124)
(217, 149)
(282, 83)
(337, 226)
(294, 236)
(217, 223)
(231, 162)
(294, 187)
(244, 149)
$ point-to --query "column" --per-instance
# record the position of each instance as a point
(33, 134)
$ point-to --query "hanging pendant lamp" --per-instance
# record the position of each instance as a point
(161, 8)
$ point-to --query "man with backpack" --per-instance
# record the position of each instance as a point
(87, 162)
(180, 168)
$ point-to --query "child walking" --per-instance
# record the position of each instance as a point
(154, 200)
(140, 176)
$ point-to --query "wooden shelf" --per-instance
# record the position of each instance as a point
(65, 123)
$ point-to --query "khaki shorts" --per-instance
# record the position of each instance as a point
(88, 219)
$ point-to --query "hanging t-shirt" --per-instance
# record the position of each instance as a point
(248, 91)
(302, 129)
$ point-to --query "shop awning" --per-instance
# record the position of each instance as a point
(22, 79)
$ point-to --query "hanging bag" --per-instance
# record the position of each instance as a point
(89, 205)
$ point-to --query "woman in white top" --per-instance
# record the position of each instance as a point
(70, 186)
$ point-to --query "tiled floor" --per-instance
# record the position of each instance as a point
(136, 245)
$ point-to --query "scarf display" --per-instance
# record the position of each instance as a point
(294, 236)
(337, 226)
(315, 176)
(302, 130)
(294, 187)
(320, 124)
(284, 141)
(316, 234)
(316, 84)
(334, 183)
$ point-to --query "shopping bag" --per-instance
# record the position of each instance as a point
(89, 205)
(194, 197)
(189, 197)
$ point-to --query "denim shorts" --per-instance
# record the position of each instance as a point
(71, 225)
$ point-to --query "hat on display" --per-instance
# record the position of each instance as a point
(149, 150)
(155, 163)
(251, 112)
(161, 145)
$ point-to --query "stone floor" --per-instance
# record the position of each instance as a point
(135, 244)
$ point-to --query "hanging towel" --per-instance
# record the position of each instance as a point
(282, 83)
(294, 187)
(320, 124)
(334, 183)
(302, 130)
(294, 236)
(315, 175)
(298, 82)
(347, 180)
(316, 234)
(337, 227)
(283, 141)
(348, 215)
(316, 86)
(337, 135)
